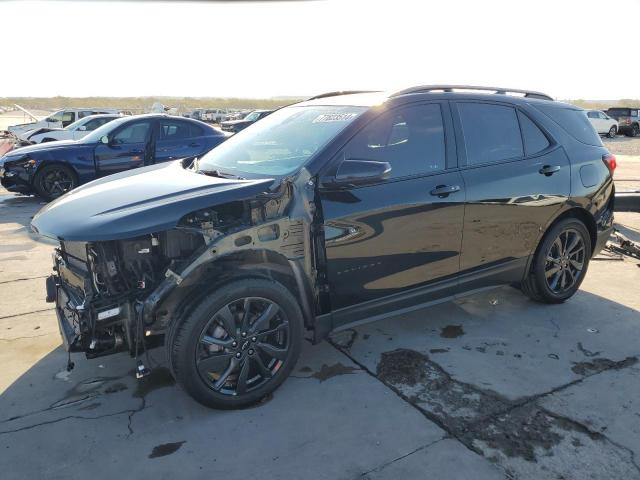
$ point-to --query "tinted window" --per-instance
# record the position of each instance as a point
(411, 139)
(574, 122)
(174, 130)
(491, 132)
(592, 114)
(622, 112)
(196, 130)
(96, 122)
(134, 133)
(534, 140)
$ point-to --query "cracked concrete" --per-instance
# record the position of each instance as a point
(487, 387)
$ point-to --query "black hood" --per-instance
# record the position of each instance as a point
(138, 202)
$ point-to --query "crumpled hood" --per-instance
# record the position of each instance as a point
(43, 146)
(138, 202)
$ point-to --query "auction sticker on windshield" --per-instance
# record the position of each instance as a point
(335, 117)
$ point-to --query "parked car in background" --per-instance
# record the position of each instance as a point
(214, 116)
(334, 211)
(603, 123)
(52, 169)
(628, 120)
(75, 131)
(59, 119)
(235, 126)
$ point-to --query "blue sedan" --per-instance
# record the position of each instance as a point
(52, 169)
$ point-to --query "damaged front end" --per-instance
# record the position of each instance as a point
(122, 294)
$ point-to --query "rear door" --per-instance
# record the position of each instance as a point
(400, 235)
(130, 146)
(516, 178)
(179, 139)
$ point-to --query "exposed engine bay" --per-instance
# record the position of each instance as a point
(109, 293)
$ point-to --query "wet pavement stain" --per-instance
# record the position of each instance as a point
(600, 364)
(329, 371)
(452, 331)
(116, 387)
(305, 370)
(468, 412)
(158, 378)
(165, 449)
(438, 350)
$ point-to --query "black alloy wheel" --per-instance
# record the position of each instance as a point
(237, 343)
(243, 345)
(565, 261)
(53, 181)
(560, 263)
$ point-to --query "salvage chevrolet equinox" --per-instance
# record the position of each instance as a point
(345, 208)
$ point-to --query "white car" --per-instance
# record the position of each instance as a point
(603, 123)
(59, 119)
(75, 131)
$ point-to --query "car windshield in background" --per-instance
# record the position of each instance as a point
(282, 142)
(252, 116)
(94, 137)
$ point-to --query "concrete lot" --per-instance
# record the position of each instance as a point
(491, 386)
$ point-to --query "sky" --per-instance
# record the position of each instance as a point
(566, 48)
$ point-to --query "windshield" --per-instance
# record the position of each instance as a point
(282, 142)
(253, 116)
(106, 129)
(56, 117)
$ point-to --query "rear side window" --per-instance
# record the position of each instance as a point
(491, 133)
(411, 139)
(574, 122)
(592, 114)
(534, 140)
(173, 130)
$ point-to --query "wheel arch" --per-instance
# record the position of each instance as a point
(575, 212)
(252, 263)
(47, 163)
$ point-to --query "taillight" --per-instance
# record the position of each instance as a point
(609, 160)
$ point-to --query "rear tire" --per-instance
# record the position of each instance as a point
(238, 344)
(635, 130)
(560, 263)
(613, 131)
(53, 181)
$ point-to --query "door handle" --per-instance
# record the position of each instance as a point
(549, 170)
(136, 152)
(194, 144)
(443, 191)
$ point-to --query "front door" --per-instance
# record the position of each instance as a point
(516, 178)
(398, 235)
(130, 146)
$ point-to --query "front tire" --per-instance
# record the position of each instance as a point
(613, 131)
(560, 264)
(53, 181)
(238, 344)
(635, 130)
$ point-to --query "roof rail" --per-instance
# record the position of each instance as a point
(342, 92)
(451, 88)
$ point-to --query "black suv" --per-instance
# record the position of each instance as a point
(345, 208)
(628, 120)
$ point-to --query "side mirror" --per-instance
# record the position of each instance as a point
(104, 139)
(82, 128)
(359, 172)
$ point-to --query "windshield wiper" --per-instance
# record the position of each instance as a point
(219, 174)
